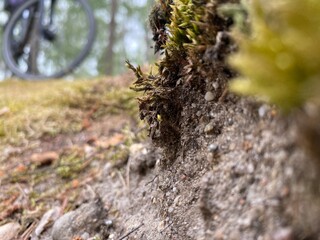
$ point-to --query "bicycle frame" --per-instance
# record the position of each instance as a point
(40, 12)
(34, 35)
(34, 28)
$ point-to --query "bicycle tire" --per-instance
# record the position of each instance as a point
(8, 54)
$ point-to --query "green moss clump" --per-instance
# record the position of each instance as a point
(158, 20)
(30, 110)
(280, 60)
(71, 164)
(186, 33)
(183, 27)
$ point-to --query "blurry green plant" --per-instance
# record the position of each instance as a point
(279, 60)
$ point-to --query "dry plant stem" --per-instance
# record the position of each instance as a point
(132, 231)
(29, 230)
(128, 174)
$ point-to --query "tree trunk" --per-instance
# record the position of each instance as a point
(109, 57)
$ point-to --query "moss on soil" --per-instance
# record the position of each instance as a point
(30, 110)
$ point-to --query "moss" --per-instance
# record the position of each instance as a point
(70, 164)
(158, 20)
(186, 32)
(34, 109)
(118, 154)
(279, 61)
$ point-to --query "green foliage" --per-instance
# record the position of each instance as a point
(183, 27)
(29, 110)
(71, 164)
(280, 60)
(150, 105)
(184, 30)
(194, 24)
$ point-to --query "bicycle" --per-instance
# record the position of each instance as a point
(48, 38)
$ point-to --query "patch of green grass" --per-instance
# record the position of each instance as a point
(29, 110)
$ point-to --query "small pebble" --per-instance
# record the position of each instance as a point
(212, 147)
(218, 235)
(232, 146)
(230, 121)
(263, 111)
(210, 157)
(170, 210)
(209, 96)
(108, 222)
(250, 168)
(85, 236)
(215, 85)
(283, 234)
(161, 226)
(209, 128)
(176, 201)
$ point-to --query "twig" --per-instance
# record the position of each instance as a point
(132, 231)
(166, 228)
(28, 231)
(151, 180)
(121, 179)
(128, 173)
(223, 95)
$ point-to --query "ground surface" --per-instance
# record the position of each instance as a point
(238, 174)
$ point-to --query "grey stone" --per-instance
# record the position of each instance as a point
(209, 96)
(89, 218)
(9, 231)
(212, 147)
(46, 220)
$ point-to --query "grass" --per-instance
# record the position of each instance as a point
(32, 110)
(29, 110)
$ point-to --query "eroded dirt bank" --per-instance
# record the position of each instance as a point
(235, 171)
(216, 165)
(238, 175)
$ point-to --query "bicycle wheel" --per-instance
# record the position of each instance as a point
(55, 48)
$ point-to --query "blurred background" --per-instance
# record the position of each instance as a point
(122, 33)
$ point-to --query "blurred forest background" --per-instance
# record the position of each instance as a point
(122, 33)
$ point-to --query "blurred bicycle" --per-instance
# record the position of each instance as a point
(47, 38)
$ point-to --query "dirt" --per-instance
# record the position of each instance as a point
(238, 174)
(243, 181)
